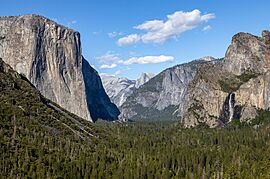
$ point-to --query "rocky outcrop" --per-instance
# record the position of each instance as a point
(266, 37)
(235, 87)
(143, 79)
(118, 89)
(50, 56)
(162, 97)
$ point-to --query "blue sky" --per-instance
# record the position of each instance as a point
(128, 37)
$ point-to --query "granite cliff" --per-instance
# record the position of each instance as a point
(162, 97)
(208, 91)
(50, 57)
(118, 89)
(235, 88)
(25, 110)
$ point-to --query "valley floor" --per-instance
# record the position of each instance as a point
(142, 150)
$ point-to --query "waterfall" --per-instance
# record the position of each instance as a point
(228, 110)
(231, 107)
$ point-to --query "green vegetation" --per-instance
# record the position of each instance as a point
(233, 83)
(38, 141)
(154, 114)
(141, 150)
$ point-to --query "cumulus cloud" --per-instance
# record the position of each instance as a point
(111, 60)
(207, 28)
(159, 31)
(109, 57)
(153, 25)
(147, 60)
(103, 75)
(130, 39)
(105, 66)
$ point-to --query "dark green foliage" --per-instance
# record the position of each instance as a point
(262, 118)
(151, 114)
(232, 84)
(37, 141)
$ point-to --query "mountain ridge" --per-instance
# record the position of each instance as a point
(161, 92)
(118, 89)
(213, 92)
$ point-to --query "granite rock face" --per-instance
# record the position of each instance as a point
(118, 89)
(50, 56)
(143, 79)
(266, 37)
(211, 92)
(98, 102)
(235, 87)
(161, 98)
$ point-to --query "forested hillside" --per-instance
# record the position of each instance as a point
(40, 140)
(36, 135)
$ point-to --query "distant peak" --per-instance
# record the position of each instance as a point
(148, 74)
(143, 79)
(208, 58)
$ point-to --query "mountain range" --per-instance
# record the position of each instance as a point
(205, 91)
(161, 98)
(212, 92)
(118, 89)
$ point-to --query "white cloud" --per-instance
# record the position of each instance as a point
(159, 31)
(105, 66)
(111, 60)
(109, 57)
(105, 75)
(207, 28)
(130, 39)
(114, 34)
(147, 60)
(151, 25)
(116, 73)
